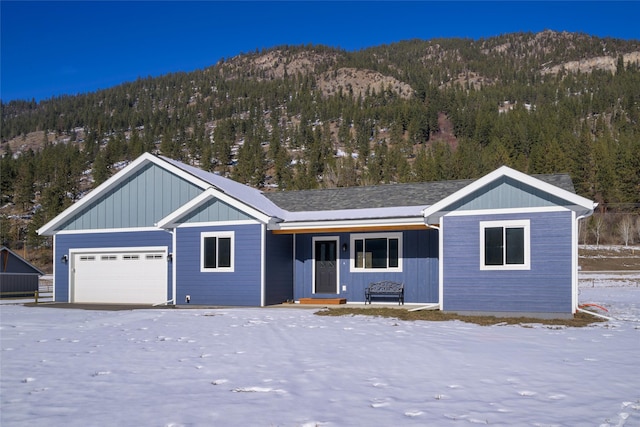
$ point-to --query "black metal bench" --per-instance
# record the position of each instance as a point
(386, 289)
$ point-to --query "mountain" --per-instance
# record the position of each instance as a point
(300, 117)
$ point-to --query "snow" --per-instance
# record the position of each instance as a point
(289, 367)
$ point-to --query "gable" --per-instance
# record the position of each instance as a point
(506, 193)
(11, 262)
(506, 188)
(214, 210)
(148, 194)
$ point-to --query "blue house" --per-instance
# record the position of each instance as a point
(163, 232)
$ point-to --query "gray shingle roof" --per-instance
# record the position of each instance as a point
(380, 196)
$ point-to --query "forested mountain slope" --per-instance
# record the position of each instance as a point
(301, 117)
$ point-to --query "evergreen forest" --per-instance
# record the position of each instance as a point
(304, 117)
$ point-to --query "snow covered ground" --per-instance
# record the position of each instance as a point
(289, 367)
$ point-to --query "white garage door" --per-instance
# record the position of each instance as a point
(120, 276)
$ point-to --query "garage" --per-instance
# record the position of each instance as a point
(129, 276)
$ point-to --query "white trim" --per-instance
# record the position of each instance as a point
(76, 251)
(574, 262)
(174, 269)
(120, 249)
(49, 228)
(217, 223)
(571, 198)
(55, 261)
(263, 272)
(218, 235)
(368, 222)
(313, 257)
(210, 193)
(508, 211)
(441, 265)
(109, 230)
(525, 224)
(365, 236)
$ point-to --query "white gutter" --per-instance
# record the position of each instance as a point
(172, 231)
(574, 259)
(294, 226)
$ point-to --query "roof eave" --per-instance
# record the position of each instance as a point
(361, 224)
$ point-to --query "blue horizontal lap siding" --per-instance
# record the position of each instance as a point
(238, 288)
(545, 288)
(65, 242)
(419, 268)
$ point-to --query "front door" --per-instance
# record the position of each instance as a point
(326, 281)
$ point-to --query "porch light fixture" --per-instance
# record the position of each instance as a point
(344, 247)
(64, 258)
(170, 256)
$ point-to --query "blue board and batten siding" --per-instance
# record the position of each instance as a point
(278, 268)
(545, 288)
(215, 210)
(140, 200)
(419, 268)
(67, 241)
(506, 193)
(239, 287)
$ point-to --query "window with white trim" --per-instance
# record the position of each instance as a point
(217, 251)
(376, 252)
(505, 245)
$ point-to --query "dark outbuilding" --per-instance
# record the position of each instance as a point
(17, 274)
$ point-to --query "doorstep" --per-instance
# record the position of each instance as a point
(327, 301)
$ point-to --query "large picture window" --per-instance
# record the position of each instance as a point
(504, 245)
(376, 252)
(216, 253)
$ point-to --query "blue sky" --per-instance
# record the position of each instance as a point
(53, 48)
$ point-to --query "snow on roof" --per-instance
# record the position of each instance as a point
(258, 200)
(241, 192)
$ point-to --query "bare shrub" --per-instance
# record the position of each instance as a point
(597, 227)
(625, 229)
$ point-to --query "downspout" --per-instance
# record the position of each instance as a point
(574, 292)
(171, 254)
(440, 265)
(594, 314)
